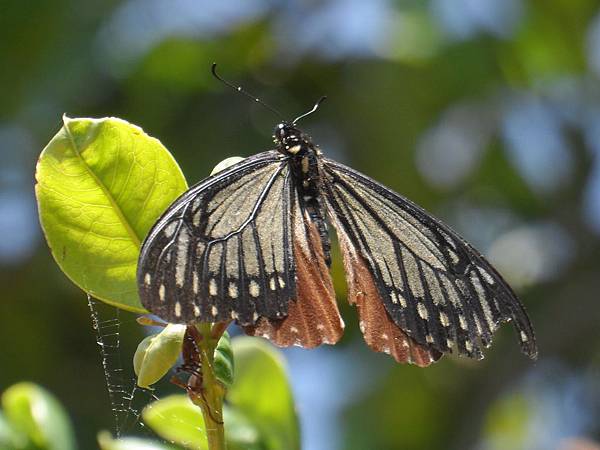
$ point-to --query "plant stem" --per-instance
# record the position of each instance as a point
(211, 402)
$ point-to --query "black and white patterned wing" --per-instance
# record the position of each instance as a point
(223, 250)
(435, 287)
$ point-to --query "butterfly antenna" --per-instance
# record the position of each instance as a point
(311, 111)
(242, 91)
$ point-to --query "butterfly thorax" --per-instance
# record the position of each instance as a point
(305, 166)
(303, 156)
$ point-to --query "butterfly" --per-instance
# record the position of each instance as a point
(251, 244)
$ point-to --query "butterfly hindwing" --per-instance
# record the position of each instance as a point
(223, 250)
(379, 330)
(434, 286)
(313, 316)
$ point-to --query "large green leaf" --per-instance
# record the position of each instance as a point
(101, 184)
(262, 393)
(35, 413)
(240, 431)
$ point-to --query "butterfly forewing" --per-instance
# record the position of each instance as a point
(223, 250)
(434, 286)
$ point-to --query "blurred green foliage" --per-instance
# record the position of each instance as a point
(32, 419)
(59, 57)
(260, 414)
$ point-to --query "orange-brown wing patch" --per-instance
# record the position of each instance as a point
(313, 317)
(378, 329)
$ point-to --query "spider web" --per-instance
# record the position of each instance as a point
(127, 399)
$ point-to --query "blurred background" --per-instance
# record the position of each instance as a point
(485, 112)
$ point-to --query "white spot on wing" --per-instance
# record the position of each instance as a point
(213, 310)
(147, 279)
(402, 300)
(177, 309)
(196, 218)
(254, 289)
(272, 285)
(477, 325)
(181, 261)
(486, 276)
(196, 311)
(170, 229)
(523, 336)
(463, 321)
(422, 311)
(453, 256)
(161, 292)
(212, 287)
(195, 282)
(232, 290)
(444, 319)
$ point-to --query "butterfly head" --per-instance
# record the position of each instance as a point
(290, 140)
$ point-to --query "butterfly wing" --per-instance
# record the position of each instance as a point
(439, 293)
(239, 245)
(223, 250)
(313, 318)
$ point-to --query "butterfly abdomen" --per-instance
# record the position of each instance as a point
(306, 171)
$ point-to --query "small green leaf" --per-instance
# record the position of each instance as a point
(176, 419)
(223, 363)
(157, 354)
(262, 393)
(106, 442)
(34, 412)
(101, 184)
